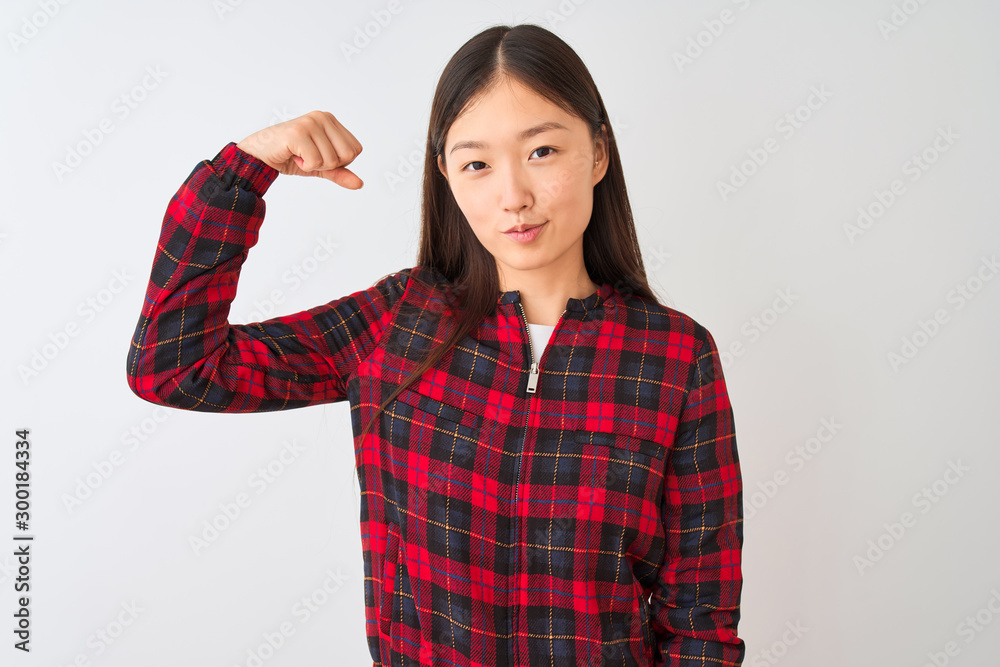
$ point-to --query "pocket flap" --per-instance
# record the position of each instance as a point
(468, 422)
(620, 441)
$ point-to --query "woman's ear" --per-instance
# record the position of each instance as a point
(440, 165)
(601, 154)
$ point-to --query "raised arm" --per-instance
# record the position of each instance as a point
(184, 352)
(695, 604)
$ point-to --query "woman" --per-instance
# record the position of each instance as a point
(546, 454)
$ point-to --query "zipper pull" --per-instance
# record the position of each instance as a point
(533, 378)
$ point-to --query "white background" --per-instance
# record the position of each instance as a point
(821, 550)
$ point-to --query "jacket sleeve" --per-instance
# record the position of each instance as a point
(695, 602)
(185, 354)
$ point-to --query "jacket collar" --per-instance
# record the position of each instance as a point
(584, 305)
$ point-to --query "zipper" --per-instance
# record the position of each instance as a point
(533, 370)
(533, 373)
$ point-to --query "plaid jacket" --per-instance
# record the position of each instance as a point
(596, 520)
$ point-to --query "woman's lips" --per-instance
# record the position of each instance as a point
(527, 235)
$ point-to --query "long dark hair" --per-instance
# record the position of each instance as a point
(542, 61)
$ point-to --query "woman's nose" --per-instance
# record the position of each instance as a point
(516, 191)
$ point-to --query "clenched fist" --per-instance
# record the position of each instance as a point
(315, 144)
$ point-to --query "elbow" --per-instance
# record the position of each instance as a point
(143, 381)
(182, 388)
(144, 388)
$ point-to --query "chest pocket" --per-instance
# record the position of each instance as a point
(621, 479)
(428, 454)
(439, 416)
(612, 469)
(428, 437)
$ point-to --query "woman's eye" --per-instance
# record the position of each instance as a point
(540, 148)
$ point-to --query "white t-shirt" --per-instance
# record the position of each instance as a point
(540, 335)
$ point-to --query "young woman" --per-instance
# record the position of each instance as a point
(546, 454)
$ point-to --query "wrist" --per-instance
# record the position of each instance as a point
(250, 172)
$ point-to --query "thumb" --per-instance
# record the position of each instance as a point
(343, 177)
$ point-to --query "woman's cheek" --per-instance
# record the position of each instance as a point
(553, 190)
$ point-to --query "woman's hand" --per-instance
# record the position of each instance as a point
(315, 144)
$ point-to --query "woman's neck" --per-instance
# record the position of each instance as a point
(544, 302)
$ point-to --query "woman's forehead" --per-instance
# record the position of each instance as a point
(514, 113)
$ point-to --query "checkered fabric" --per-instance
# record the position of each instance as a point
(595, 521)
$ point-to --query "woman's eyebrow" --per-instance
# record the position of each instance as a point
(521, 136)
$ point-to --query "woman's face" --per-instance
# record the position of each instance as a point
(516, 160)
